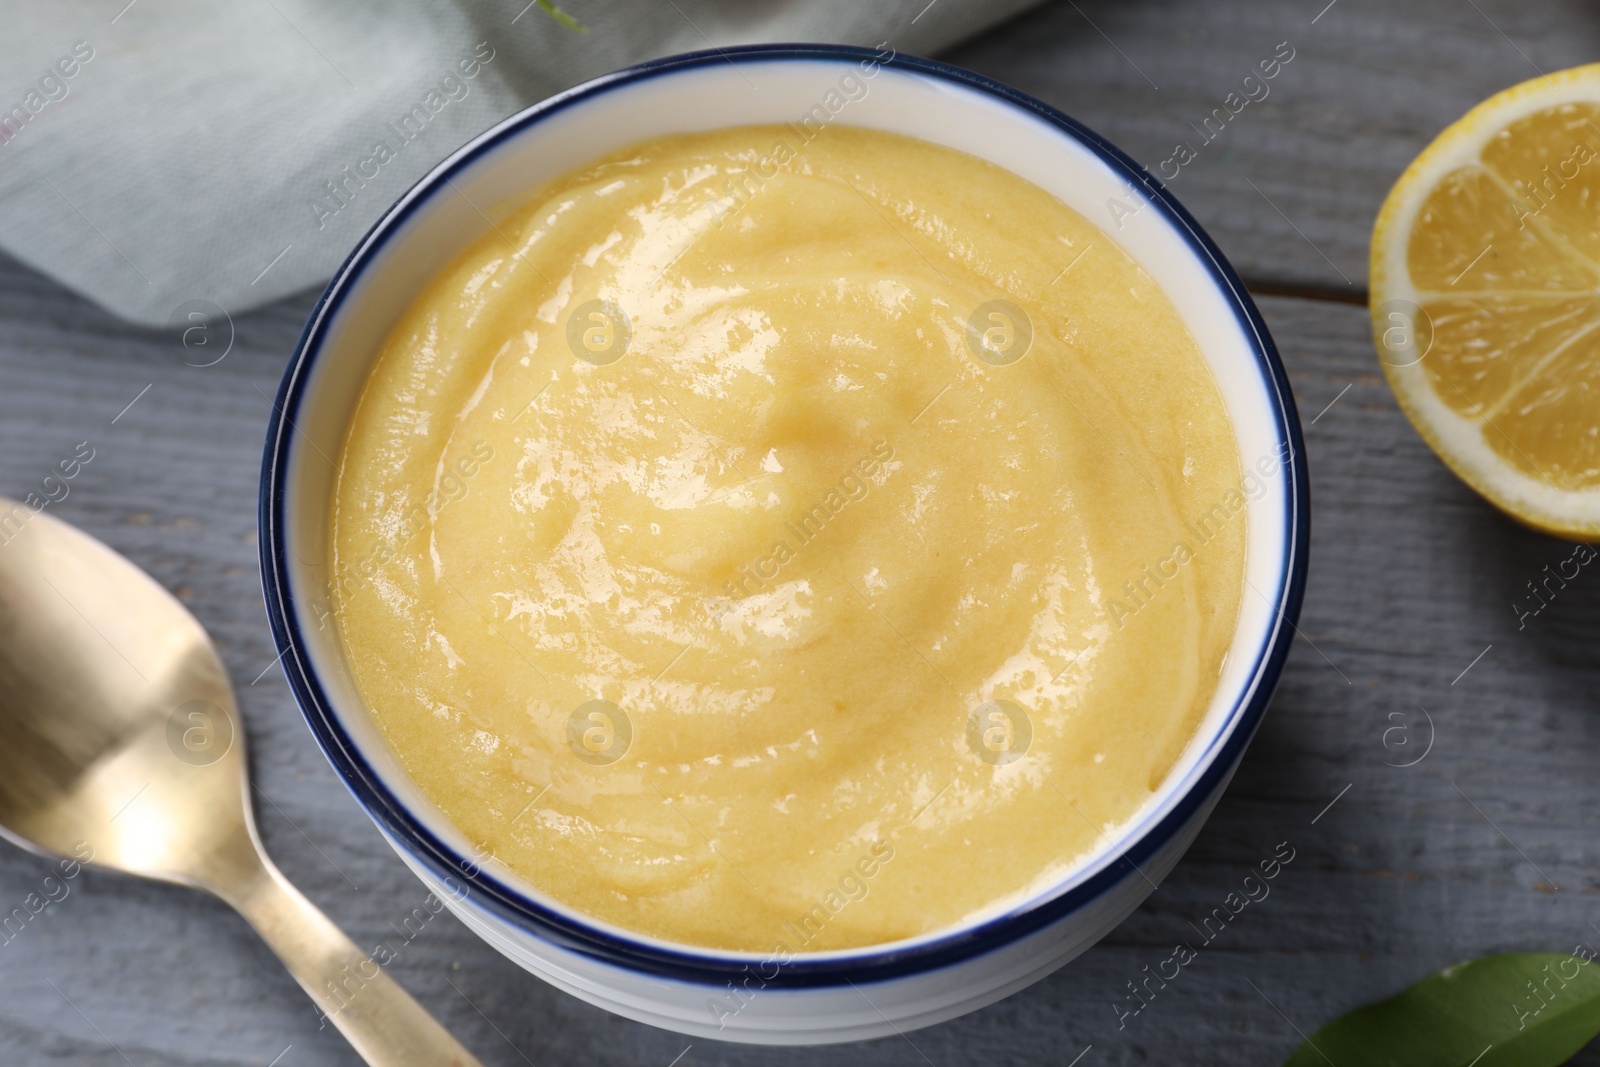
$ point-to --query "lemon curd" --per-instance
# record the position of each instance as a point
(783, 540)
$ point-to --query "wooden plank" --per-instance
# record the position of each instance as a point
(1289, 185)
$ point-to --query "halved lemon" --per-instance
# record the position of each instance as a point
(1485, 282)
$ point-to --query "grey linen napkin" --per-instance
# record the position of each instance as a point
(162, 152)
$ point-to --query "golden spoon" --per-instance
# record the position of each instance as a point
(119, 742)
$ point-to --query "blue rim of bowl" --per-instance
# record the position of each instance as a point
(705, 965)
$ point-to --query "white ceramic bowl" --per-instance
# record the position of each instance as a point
(819, 997)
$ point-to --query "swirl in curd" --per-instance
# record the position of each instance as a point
(786, 544)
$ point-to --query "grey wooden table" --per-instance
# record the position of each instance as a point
(1489, 843)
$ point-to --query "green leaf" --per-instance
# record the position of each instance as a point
(561, 16)
(1528, 1009)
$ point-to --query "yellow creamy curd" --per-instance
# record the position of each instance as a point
(785, 540)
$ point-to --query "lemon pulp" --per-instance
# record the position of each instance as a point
(1493, 235)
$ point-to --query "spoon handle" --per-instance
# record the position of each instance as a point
(380, 1019)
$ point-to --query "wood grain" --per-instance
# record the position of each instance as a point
(1290, 185)
(1412, 578)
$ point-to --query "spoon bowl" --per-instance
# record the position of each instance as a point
(121, 734)
(121, 746)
